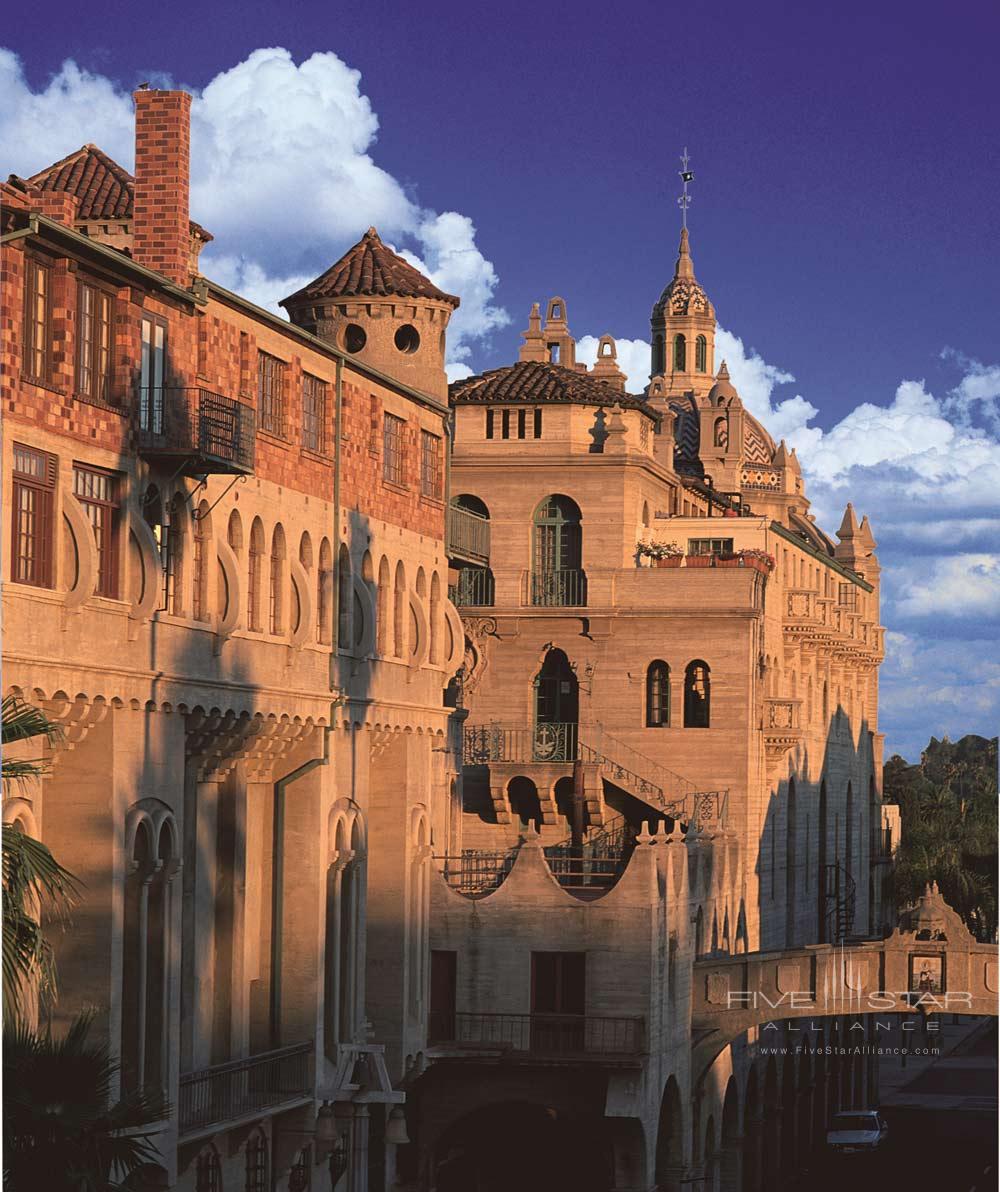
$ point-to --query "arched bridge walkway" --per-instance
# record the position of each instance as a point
(930, 963)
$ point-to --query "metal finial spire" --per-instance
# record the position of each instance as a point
(686, 176)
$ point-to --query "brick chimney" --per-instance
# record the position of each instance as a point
(161, 229)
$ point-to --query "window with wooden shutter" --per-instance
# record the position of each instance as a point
(32, 509)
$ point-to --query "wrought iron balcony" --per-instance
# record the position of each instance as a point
(468, 536)
(487, 743)
(195, 430)
(476, 872)
(475, 588)
(568, 1035)
(559, 589)
(244, 1089)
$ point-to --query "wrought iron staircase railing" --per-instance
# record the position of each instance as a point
(595, 864)
(839, 902)
(649, 781)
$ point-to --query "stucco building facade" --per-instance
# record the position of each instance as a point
(404, 783)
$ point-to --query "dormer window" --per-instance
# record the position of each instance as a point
(557, 311)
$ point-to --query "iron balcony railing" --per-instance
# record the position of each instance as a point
(468, 535)
(559, 589)
(487, 743)
(653, 783)
(476, 872)
(475, 588)
(597, 862)
(256, 1085)
(539, 1034)
(214, 433)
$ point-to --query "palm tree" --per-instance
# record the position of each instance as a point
(60, 1132)
(34, 883)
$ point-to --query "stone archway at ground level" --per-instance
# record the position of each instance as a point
(517, 1144)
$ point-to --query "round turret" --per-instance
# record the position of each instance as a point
(376, 306)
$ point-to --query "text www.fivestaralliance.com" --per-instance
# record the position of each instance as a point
(859, 1050)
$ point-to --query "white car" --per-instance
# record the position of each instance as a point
(856, 1130)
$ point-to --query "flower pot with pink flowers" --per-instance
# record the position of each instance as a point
(660, 554)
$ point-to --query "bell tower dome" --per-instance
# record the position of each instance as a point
(683, 331)
(376, 306)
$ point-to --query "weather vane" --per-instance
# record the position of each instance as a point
(686, 176)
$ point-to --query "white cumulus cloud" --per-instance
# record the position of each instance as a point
(633, 359)
(282, 173)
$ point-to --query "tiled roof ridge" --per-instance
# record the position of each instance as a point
(371, 268)
(533, 381)
(106, 190)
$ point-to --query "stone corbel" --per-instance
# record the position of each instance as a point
(231, 570)
(300, 635)
(149, 552)
(86, 552)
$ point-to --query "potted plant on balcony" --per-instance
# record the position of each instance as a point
(661, 554)
(761, 560)
(729, 559)
(700, 560)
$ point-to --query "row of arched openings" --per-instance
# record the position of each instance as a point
(697, 694)
(273, 603)
(680, 354)
(257, 1173)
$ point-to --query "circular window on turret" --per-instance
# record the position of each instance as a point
(354, 338)
(407, 338)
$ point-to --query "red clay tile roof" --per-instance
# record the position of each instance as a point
(104, 188)
(535, 381)
(369, 268)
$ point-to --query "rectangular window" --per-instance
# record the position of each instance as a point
(392, 449)
(152, 363)
(710, 546)
(522, 417)
(430, 465)
(97, 492)
(506, 424)
(37, 320)
(489, 424)
(538, 422)
(848, 597)
(313, 413)
(32, 505)
(95, 319)
(271, 394)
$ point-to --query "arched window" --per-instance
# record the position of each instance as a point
(557, 577)
(435, 617)
(344, 937)
(697, 695)
(382, 628)
(255, 566)
(399, 611)
(701, 354)
(721, 435)
(208, 1171)
(324, 591)
(658, 355)
(306, 552)
(277, 586)
(173, 562)
(151, 848)
(201, 541)
(345, 598)
(657, 695)
(680, 353)
(258, 1163)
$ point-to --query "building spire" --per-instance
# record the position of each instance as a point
(685, 265)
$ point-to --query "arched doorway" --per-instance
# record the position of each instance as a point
(533, 1148)
(669, 1139)
(557, 709)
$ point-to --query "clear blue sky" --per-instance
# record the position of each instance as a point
(845, 218)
